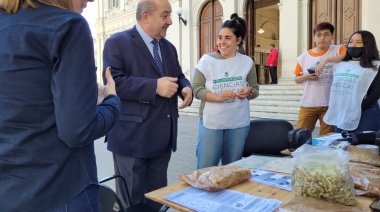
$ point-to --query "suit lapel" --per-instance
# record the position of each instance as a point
(144, 49)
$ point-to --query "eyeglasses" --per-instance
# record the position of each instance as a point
(325, 35)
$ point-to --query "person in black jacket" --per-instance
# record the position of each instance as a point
(50, 114)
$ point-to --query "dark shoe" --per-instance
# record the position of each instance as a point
(273, 83)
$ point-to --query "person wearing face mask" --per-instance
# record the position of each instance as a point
(52, 109)
(355, 90)
(225, 82)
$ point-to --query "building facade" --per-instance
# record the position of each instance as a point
(286, 23)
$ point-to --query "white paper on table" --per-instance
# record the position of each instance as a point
(330, 141)
(222, 201)
(276, 164)
(272, 179)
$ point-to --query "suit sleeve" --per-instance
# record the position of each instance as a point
(74, 88)
(128, 84)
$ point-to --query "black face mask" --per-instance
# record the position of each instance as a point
(355, 52)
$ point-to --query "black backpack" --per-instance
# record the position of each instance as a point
(298, 137)
(363, 137)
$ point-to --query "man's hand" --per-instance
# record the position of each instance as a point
(187, 94)
(167, 86)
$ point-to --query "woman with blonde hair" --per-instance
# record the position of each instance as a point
(51, 110)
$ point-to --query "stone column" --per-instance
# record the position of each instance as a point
(293, 34)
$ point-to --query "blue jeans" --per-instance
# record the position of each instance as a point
(369, 120)
(215, 145)
(85, 201)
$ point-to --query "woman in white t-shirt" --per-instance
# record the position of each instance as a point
(355, 89)
(224, 81)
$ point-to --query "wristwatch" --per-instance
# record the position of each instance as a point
(251, 93)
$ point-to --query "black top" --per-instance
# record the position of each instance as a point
(373, 93)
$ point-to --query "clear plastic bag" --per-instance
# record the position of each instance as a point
(366, 179)
(323, 173)
(216, 178)
(303, 204)
(358, 156)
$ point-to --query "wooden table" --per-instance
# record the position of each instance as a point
(248, 187)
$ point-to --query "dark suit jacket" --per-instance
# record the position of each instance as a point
(148, 122)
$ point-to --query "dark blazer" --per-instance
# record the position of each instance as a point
(148, 122)
(48, 113)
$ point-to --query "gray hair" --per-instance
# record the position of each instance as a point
(145, 5)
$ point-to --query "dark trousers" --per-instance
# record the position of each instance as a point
(369, 120)
(273, 73)
(142, 175)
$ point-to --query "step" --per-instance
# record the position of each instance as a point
(282, 85)
(284, 98)
(275, 109)
(295, 92)
(267, 101)
(280, 101)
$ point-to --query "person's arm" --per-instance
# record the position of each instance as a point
(373, 94)
(199, 82)
(319, 68)
(201, 92)
(127, 83)
(79, 119)
(252, 82)
(301, 76)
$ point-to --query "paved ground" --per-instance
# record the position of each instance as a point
(182, 161)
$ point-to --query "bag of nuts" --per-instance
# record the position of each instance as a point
(366, 179)
(216, 178)
(323, 173)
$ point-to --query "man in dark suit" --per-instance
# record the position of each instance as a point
(148, 79)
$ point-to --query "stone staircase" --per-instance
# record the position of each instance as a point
(281, 101)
